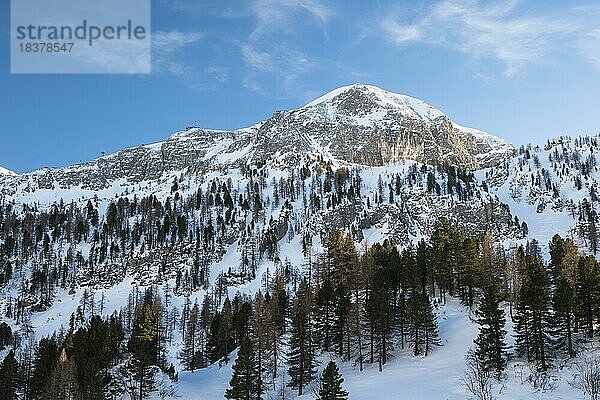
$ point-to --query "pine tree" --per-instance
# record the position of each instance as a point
(324, 314)
(330, 385)
(246, 379)
(423, 333)
(11, 378)
(564, 258)
(341, 262)
(430, 327)
(5, 335)
(490, 267)
(220, 338)
(279, 303)
(301, 355)
(191, 353)
(490, 345)
(557, 251)
(380, 299)
(588, 291)
(93, 348)
(241, 315)
(440, 257)
(46, 355)
(63, 382)
(532, 319)
(564, 303)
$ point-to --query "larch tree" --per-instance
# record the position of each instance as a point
(301, 356)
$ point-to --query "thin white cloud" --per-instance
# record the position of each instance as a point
(498, 30)
(168, 59)
(165, 45)
(400, 33)
(281, 15)
(273, 62)
(269, 52)
(280, 62)
(256, 59)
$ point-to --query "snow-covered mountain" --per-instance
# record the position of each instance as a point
(367, 125)
(393, 127)
(207, 214)
(356, 124)
(7, 172)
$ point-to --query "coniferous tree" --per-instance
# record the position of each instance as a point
(266, 338)
(557, 251)
(221, 338)
(564, 303)
(380, 301)
(241, 315)
(532, 320)
(324, 314)
(423, 333)
(490, 266)
(279, 303)
(93, 347)
(341, 262)
(246, 380)
(5, 335)
(191, 353)
(301, 355)
(588, 291)
(144, 346)
(408, 280)
(564, 258)
(441, 257)
(467, 274)
(424, 271)
(330, 385)
(44, 362)
(490, 344)
(63, 384)
(11, 378)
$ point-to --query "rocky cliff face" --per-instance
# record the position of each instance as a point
(357, 124)
(366, 125)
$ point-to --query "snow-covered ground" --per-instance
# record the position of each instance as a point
(4, 171)
(405, 377)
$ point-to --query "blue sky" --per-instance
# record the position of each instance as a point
(524, 71)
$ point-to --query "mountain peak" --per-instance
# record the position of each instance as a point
(361, 98)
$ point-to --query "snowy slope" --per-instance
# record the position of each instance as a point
(436, 377)
(407, 105)
(4, 171)
(547, 186)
